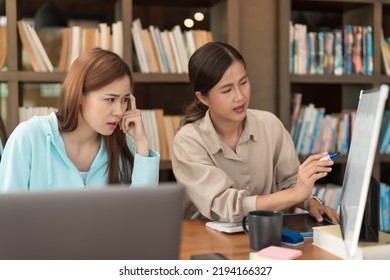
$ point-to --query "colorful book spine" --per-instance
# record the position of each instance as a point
(370, 52)
(338, 52)
(320, 53)
(348, 41)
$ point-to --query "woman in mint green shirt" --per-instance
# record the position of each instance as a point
(96, 138)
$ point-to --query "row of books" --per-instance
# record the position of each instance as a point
(330, 194)
(160, 128)
(26, 113)
(166, 51)
(346, 50)
(313, 131)
(75, 41)
(34, 48)
(3, 46)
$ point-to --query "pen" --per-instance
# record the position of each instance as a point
(330, 156)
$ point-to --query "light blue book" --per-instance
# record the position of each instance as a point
(382, 188)
(338, 52)
(320, 50)
(292, 48)
(311, 62)
(370, 52)
(306, 145)
(384, 212)
(345, 134)
(385, 132)
(307, 119)
(320, 115)
(298, 126)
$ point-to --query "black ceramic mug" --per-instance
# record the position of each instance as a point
(265, 228)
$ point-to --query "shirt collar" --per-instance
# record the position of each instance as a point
(211, 136)
(250, 128)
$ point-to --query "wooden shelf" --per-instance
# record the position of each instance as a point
(161, 78)
(181, 3)
(30, 76)
(332, 79)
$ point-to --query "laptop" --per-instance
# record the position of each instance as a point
(111, 223)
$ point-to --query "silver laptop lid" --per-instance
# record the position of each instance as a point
(109, 223)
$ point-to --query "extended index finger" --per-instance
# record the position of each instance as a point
(132, 102)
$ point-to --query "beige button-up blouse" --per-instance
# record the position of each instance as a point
(222, 184)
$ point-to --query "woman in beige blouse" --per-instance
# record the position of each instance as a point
(232, 159)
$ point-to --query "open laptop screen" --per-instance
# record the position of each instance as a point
(359, 164)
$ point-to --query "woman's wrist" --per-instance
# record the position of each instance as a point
(310, 200)
(142, 148)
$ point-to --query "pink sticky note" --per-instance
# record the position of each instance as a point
(279, 253)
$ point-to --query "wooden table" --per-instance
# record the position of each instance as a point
(198, 239)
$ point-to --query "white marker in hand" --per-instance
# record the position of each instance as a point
(330, 156)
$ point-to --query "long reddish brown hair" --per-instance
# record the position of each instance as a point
(91, 71)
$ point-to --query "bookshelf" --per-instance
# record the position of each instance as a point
(170, 92)
(333, 92)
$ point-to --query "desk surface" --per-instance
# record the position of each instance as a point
(198, 239)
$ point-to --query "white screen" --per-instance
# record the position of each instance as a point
(359, 164)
